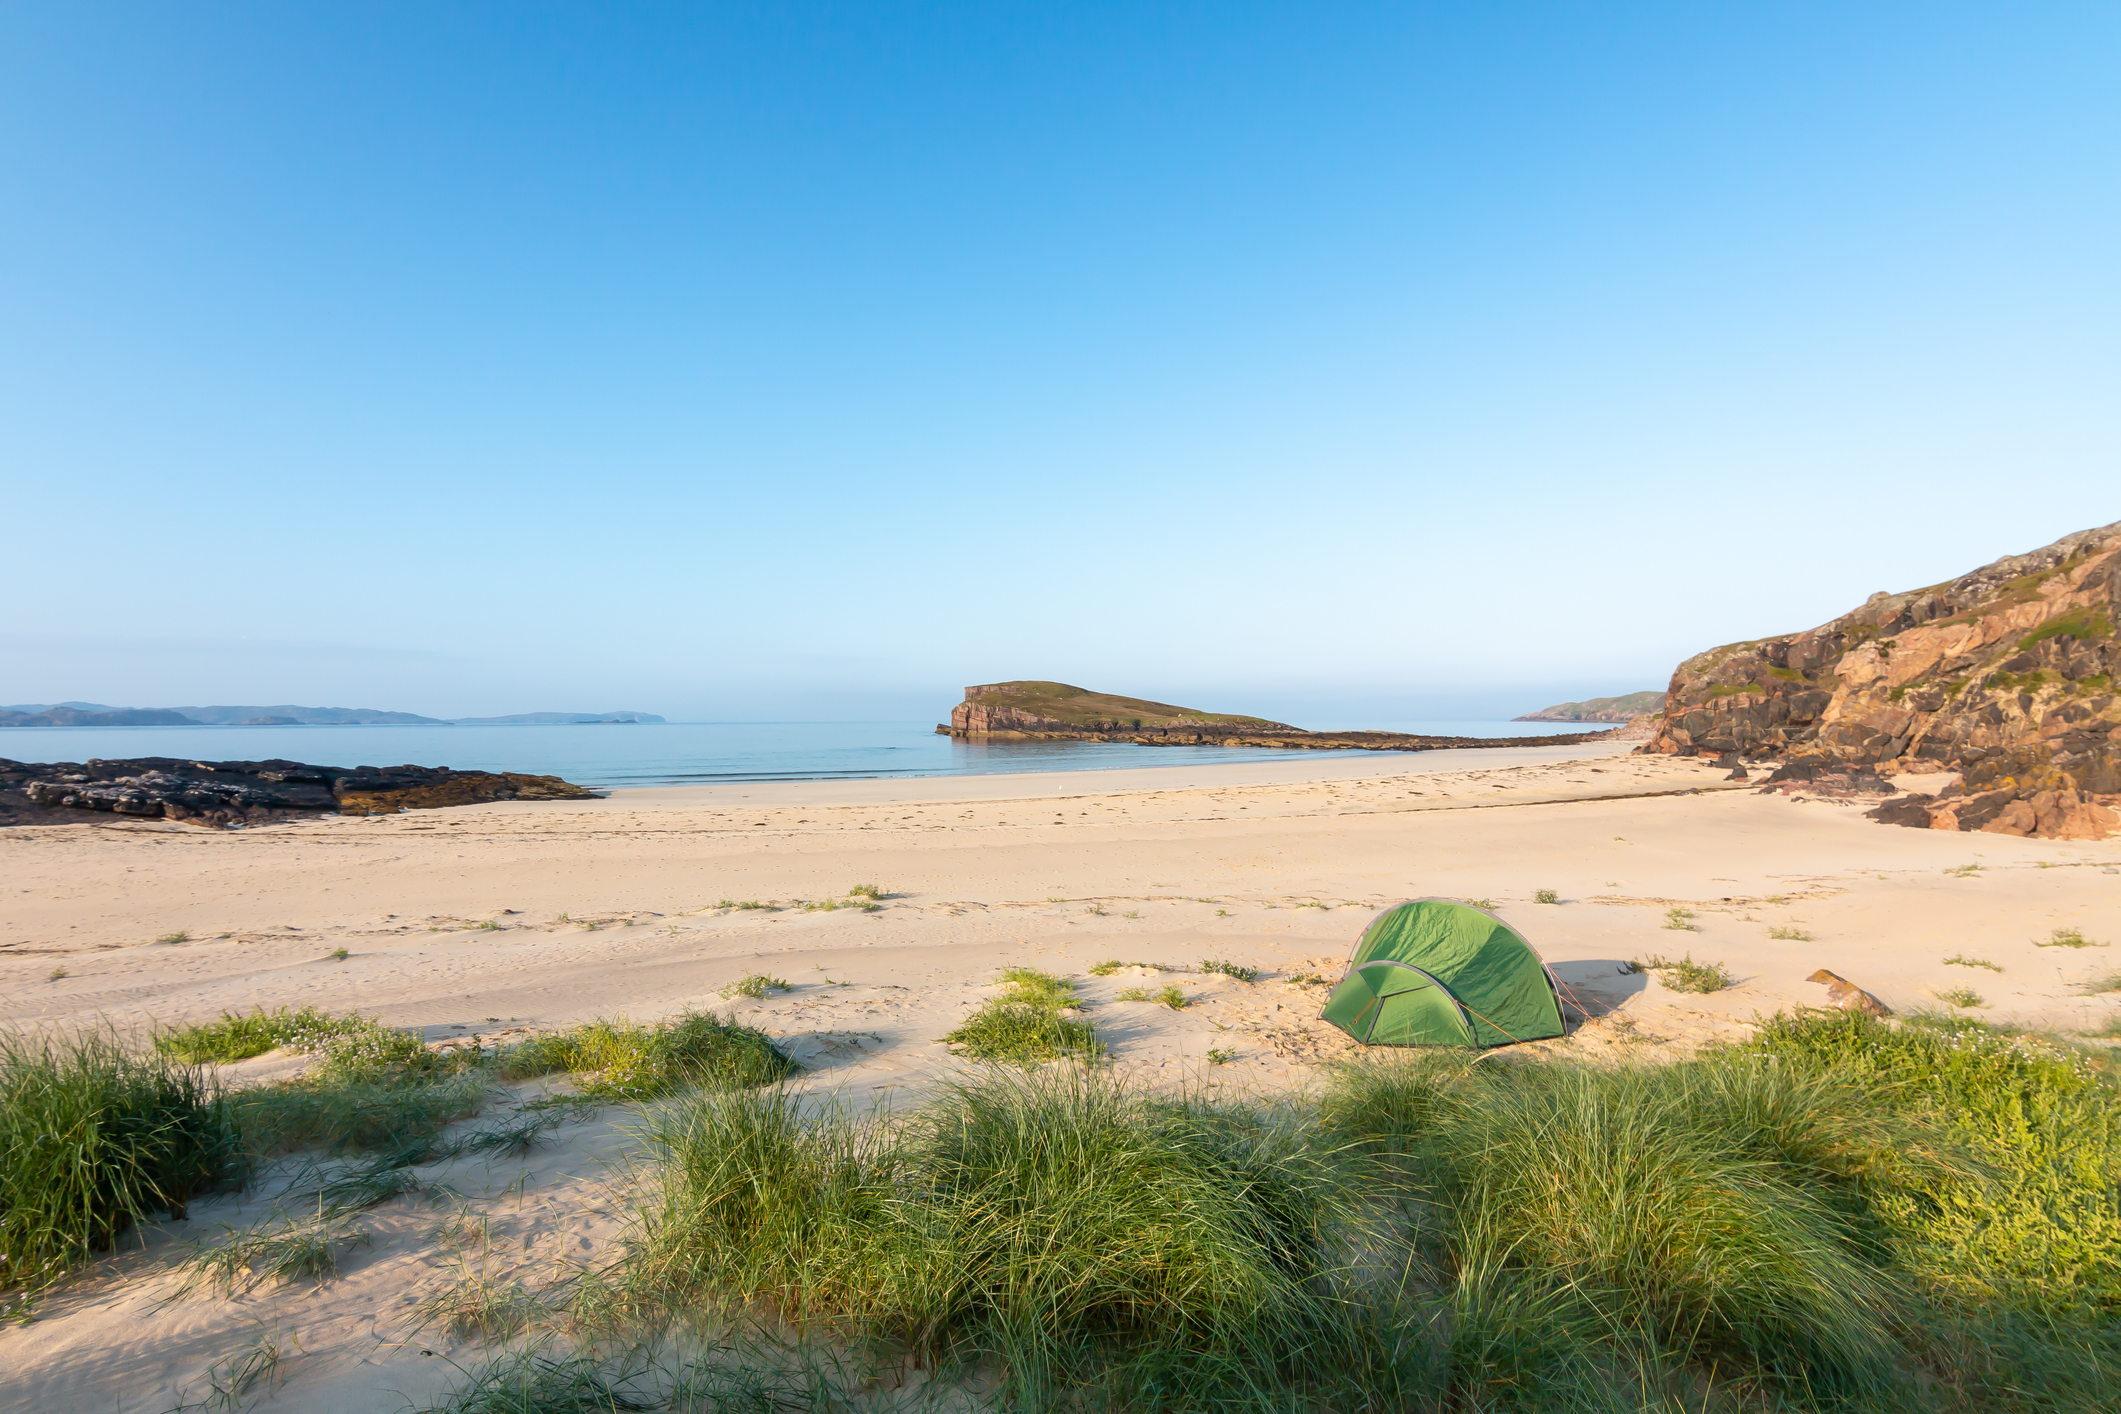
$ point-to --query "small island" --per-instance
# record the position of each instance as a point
(1032, 710)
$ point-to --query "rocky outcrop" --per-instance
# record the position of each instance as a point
(1051, 711)
(1598, 709)
(2005, 675)
(227, 793)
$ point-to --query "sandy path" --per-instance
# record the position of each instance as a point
(612, 907)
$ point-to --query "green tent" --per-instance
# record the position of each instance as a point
(1435, 972)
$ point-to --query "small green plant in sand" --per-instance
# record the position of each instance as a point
(2066, 938)
(1132, 913)
(1962, 997)
(1169, 996)
(1220, 1055)
(180, 936)
(235, 1036)
(1306, 979)
(1687, 975)
(338, 955)
(755, 986)
(867, 891)
(1776, 899)
(825, 905)
(1964, 871)
(1960, 959)
(1789, 935)
(1546, 896)
(2097, 986)
(1096, 910)
(55, 974)
(1236, 971)
(1222, 913)
(1680, 920)
(1024, 1025)
(618, 1059)
(1486, 903)
(1112, 964)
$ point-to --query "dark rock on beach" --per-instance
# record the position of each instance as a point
(230, 793)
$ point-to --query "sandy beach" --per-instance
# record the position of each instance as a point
(494, 921)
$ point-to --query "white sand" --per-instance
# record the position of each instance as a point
(1167, 863)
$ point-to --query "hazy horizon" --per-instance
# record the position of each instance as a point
(809, 362)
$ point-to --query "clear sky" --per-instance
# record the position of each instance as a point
(1325, 361)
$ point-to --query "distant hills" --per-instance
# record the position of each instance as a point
(97, 714)
(1625, 708)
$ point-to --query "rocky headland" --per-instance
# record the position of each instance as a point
(2004, 675)
(1625, 708)
(238, 793)
(1056, 711)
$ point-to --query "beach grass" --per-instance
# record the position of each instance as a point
(1839, 1214)
(618, 1059)
(755, 986)
(1169, 996)
(1687, 975)
(270, 1254)
(95, 1140)
(1235, 971)
(1960, 959)
(1024, 1024)
(2066, 938)
(1546, 896)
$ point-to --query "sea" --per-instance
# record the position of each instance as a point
(606, 755)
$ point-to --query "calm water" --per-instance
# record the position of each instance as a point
(667, 755)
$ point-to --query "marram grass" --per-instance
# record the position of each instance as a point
(1840, 1215)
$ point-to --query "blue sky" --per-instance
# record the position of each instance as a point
(811, 361)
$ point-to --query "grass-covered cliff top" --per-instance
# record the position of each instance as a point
(1080, 707)
(1624, 708)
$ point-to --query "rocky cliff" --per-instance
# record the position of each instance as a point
(1056, 711)
(2005, 675)
(228, 793)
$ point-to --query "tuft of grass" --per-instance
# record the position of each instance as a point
(1024, 1025)
(1776, 899)
(235, 1037)
(1486, 903)
(339, 1115)
(1680, 920)
(1237, 971)
(1963, 997)
(620, 1060)
(269, 1255)
(1220, 1055)
(1112, 964)
(755, 985)
(337, 955)
(1687, 975)
(1964, 871)
(1307, 979)
(2067, 938)
(1546, 896)
(1169, 996)
(478, 1306)
(487, 926)
(867, 891)
(2095, 986)
(726, 1382)
(1789, 935)
(1960, 959)
(1096, 910)
(95, 1140)
(1081, 1235)
(180, 936)
(55, 974)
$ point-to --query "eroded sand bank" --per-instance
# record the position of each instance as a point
(617, 906)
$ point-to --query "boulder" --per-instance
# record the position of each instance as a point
(1847, 996)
